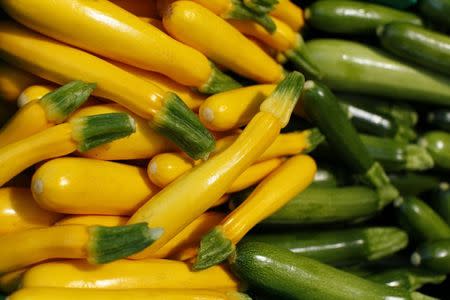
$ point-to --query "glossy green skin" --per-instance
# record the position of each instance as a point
(435, 256)
(318, 205)
(440, 202)
(421, 221)
(400, 4)
(417, 44)
(438, 145)
(407, 278)
(322, 107)
(389, 152)
(337, 247)
(356, 68)
(437, 11)
(279, 272)
(324, 177)
(353, 17)
(414, 183)
(440, 118)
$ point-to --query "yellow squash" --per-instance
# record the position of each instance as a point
(233, 109)
(128, 274)
(13, 81)
(19, 211)
(61, 63)
(138, 7)
(34, 92)
(208, 181)
(88, 186)
(197, 27)
(143, 143)
(291, 178)
(11, 281)
(105, 29)
(93, 220)
(289, 13)
(135, 294)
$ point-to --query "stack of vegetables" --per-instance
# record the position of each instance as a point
(224, 149)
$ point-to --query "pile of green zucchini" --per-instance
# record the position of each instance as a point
(375, 224)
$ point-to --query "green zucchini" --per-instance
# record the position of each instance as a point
(433, 255)
(437, 11)
(395, 155)
(438, 145)
(323, 109)
(318, 205)
(420, 220)
(413, 184)
(440, 118)
(417, 44)
(399, 4)
(353, 17)
(440, 201)
(356, 68)
(281, 273)
(338, 247)
(402, 112)
(325, 177)
(408, 278)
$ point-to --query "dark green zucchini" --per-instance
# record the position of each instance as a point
(407, 278)
(437, 144)
(433, 255)
(338, 247)
(353, 17)
(417, 44)
(419, 219)
(440, 201)
(356, 68)
(399, 4)
(440, 118)
(283, 274)
(436, 11)
(395, 155)
(412, 184)
(323, 109)
(319, 205)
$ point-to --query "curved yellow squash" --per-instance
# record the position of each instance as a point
(34, 92)
(289, 13)
(91, 220)
(13, 81)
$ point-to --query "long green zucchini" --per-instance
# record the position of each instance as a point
(419, 219)
(437, 11)
(323, 109)
(440, 118)
(437, 144)
(412, 184)
(433, 255)
(338, 247)
(417, 44)
(283, 274)
(356, 68)
(407, 278)
(353, 17)
(440, 201)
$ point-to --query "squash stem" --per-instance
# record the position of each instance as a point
(385, 241)
(107, 244)
(405, 133)
(241, 12)
(179, 124)
(314, 139)
(418, 158)
(378, 178)
(95, 130)
(260, 6)
(62, 102)
(218, 82)
(299, 56)
(215, 248)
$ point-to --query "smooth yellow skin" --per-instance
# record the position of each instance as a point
(128, 274)
(28, 120)
(143, 143)
(154, 22)
(208, 182)
(91, 220)
(190, 97)
(19, 211)
(10, 282)
(291, 178)
(105, 29)
(27, 247)
(138, 7)
(88, 186)
(198, 27)
(13, 81)
(283, 39)
(61, 64)
(233, 109)
(135, 294)
(52, 142)
(191, 235)
(289, 13)
(34, 92)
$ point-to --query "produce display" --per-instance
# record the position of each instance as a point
(224, 149)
